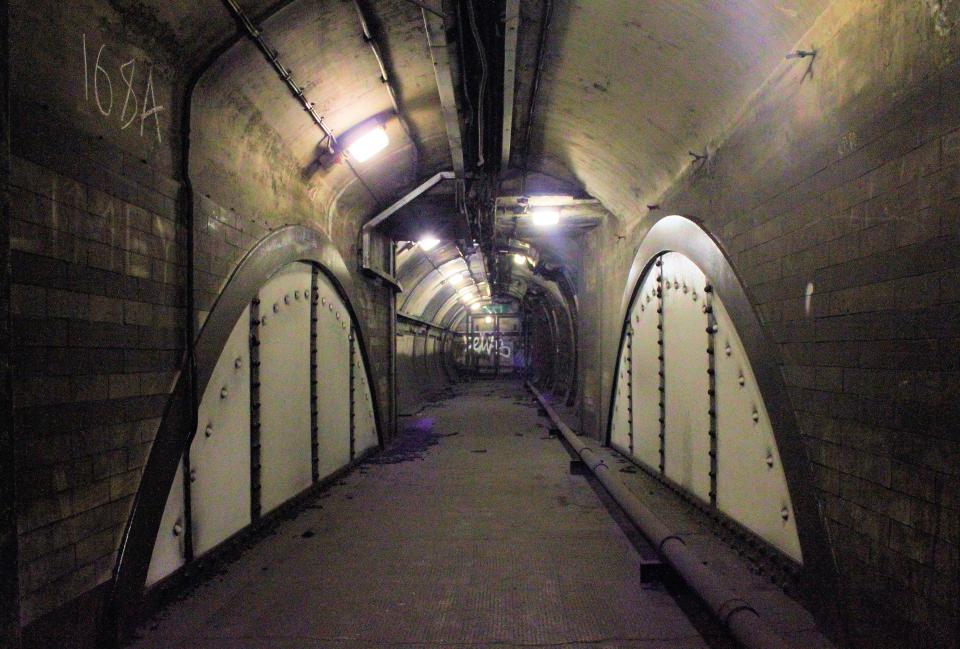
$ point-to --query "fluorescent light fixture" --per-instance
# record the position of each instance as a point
(519, 259)
(546, 216)
(369, 144)
(428, 243)
(534, 201)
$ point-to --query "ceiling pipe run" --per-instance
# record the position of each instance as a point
(733, 611)
(435, 29)
(385, 79)
(534, 91)
(273, 57)
(510, 35)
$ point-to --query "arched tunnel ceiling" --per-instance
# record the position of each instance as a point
(430, 295)
(322, 44)
(629, 88)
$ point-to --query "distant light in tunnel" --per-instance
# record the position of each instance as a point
(369, 144)
(546, 216)
(428, 243)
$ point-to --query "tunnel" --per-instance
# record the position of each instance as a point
(359, 324)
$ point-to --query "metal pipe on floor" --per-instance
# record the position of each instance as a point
(733, 611)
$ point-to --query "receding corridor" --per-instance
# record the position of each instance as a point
(471, 532)
(480, 324)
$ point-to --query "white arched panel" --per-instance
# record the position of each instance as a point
(645, 351)
(333, 379)
(285, 453)
(220, 452)
(168, 549)
(751, 485)
(687, 403)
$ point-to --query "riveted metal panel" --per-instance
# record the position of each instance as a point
(687, 403)
(620, 424)
(168, 553)
(645, 366)
(314, 373)
(220, 452)
(333, 380)
(285, 453)
(751, 485)
(365, 429)
(276, 250)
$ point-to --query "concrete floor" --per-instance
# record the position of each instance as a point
(470, 533)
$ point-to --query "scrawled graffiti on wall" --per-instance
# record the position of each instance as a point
(490, 345)
(98, 88)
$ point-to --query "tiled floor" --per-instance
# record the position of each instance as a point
(472, 534)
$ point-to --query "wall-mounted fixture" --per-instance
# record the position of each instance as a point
(367, 143)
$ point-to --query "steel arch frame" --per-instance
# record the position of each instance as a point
(688, 236)
(272, 253)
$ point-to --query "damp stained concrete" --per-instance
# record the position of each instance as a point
(469, 532)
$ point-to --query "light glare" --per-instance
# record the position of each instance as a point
(519, 259)
(428, 243)
(369, 144)
(546, 217)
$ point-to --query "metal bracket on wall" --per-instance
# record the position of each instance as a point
(367, 231)
(255, 409)
(314, 414)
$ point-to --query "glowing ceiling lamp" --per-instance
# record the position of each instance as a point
(369, 144)
(428, 243)
(545, 216)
